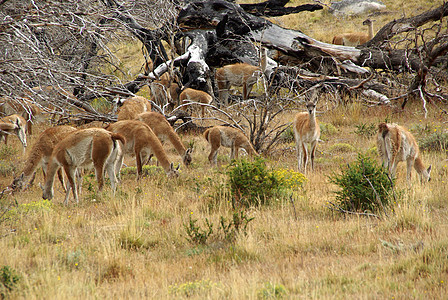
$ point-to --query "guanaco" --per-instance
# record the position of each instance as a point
(133, 106)
(28, 110)
(15, 125)
(143, 143)
(395, 144)
(163, 130)
(227, 137)
(192, 95)
(355, 38)
(40, 155)
(164, 91)
(239, 74)
(83, 148)
(306, 130)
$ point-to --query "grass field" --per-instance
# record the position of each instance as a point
(135, 244)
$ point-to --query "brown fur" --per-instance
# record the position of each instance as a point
(28, 110)
(40, 155)
(132, 107)
(395, 143)
(16, 125)
(192, 95)
(83, 148)
(306, 130)
(227, 137)
(164, 91)
(239, 74)
(163, 130)
(143, 143)
(355, 38)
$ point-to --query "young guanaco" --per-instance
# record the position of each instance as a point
(227, 137)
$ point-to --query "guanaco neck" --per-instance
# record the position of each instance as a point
(31, 163)
(370, 30)
(161, 156)
(177, 143)
(312, 116)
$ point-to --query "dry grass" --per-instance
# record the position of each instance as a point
(134, 245)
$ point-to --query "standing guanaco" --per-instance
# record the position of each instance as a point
(16, 125)
(163, 130)
(239, 74)
(227, 137)
(83, 148)
(395, 144)
(133, 106)
(306, 130)
(355, 38)
(40, 155)
(192, 95)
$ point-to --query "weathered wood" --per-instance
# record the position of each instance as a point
(275, 8)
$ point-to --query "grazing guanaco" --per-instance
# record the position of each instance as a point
(40, 155)
(143, 143)
(84, 148)
(395, 144)
(239, 74)
(16, 125)
(163, 130)
(306, 130)
(192, 95)
(355, 38)
(227, 137)
(133, 106)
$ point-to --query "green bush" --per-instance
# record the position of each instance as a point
(356, 193)
(272, 291)
(366, 130)
(197, 235)
(437, 141)
(8, 280)
(251, 183)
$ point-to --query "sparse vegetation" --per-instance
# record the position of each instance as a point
(145, 243)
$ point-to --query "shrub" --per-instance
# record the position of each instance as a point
(287, 136)
(366, 130)
(365, 186)
(237, 224)
(8, 280)
(197, 235)
(192, 288)
(272, 291)
(327, 128)
(437, 141)
(251, 184)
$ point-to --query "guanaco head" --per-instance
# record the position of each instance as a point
(47, 192)
(311, 107)
(173, 172)
(17, 183)
(187, 157)
(383, 129)
(426, 175)
(367, 22)
(20, 131)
